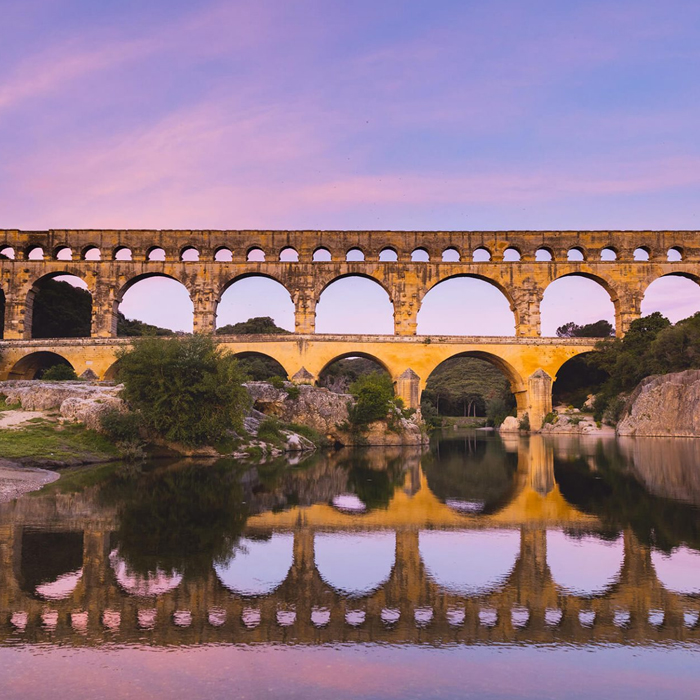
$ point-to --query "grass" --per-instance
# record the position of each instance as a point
(45, 440)
(4, 406)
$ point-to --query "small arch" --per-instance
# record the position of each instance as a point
(420, 255)
(63, 253)
(223, 254)
(481, 254)
(575, 254)
(35, 252)
(122, 253)
(608, 254)
(255, 254)
(155, 254)
(322, 255)
(544, 255)
(450, 255)
(289, 254)
(7, 253)
(511, 254)
(260, 367)
(33, 365)
(189, 254)
(641, 254)
(674, 254)
(92, 253)
(352, 304)
(355, 255)
(388, 255)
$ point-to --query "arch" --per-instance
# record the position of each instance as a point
(673, 254)
(153, 584)
(189, 254)
(561, 301)
(92, 253)
(7, 252)
(50, 563)
(481, 254)
(257, 566)
(58, 305)
(63, 253)
(34, 252)
(33, 365)
(112, 373)
(353, 365)
(158, 299)
(420, 255)
(584, 565)
(223, 254)
(355, 254)
(442, 308)
(255, 254)
(122, 253)
(261, 367)
(451, 254)
(338, 557)
(576, 254)
(388, 255)
(155, 254)
(676, 295)
(322, 255)
(575, 381)
(641, 254)
(355, 303)
(469, 563)
(608, 254)
(679, 570)
(544, 254)
(255, 295)
(511, 254)
(289, 254)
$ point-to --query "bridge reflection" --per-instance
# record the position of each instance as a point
(535, 570)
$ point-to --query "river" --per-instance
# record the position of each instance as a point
(482, 567)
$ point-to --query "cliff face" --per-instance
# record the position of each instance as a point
(667, 405)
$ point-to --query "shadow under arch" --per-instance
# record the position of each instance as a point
(260, 366)
(575, 380)
(33, 365)
(495, 284)
(348, 355)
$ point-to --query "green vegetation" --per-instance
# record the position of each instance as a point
(375, 398)
(59, 373)
(261, 368)
(270, 430)
(260, 325)
(339, 375)
(599, 329)
(4, 406)
(45, 442)
(61, 311)
(128, 327)
(185, 389)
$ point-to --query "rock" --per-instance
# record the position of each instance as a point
(664, 405)
(41, 396)
(90, 411)
(510, 425)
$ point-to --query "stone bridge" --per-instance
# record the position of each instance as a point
(521, 264)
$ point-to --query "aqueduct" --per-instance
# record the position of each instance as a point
(407, 264)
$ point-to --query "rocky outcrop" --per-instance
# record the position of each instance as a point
(83, 402)
(664, 406)
(573, 422)
(510, 425)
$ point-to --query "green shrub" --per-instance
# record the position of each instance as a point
(375, 397)
(120, 426)
(277, 382)
(524, 423)
(59, 373)
(310, 434)
(551, 418)
(270, 430)
(185, 388)
(293, 392)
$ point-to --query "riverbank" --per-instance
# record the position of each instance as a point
(16, 480)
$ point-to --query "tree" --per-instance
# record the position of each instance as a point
(260, 325)
(130, 327)
(599, 329)
(375, 397)
(185, 388)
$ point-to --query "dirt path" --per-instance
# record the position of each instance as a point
(16, 480)
(12, 420)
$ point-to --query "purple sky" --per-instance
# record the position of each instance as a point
(397, 114)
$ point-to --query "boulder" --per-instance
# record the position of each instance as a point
(664, 405)
(510, 425)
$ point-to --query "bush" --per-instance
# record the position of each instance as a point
(293, 392)
(277, 382)
(270, 431)
(185, 389)
(59, 373)
(375, 397)
(120, 426)
(524, 423)
(550, 418)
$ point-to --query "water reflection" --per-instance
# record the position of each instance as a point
(477, 540)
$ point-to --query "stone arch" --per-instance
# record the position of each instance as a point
(63, 253)
(91, 252)
(388, 254)
(347, 355)
(223, 254)
(155, 254)
(482, 254)
(355, 254)
(481, 278)
(606, 284)
(576, 253)
(609, 253)
(189, 254)
(355, 301)
(122, 252)
(7, 252)
(322, 254)
(289, 254)
(284, 316)
(34, 252)
(574, 379)
(112, 372)
(255, 254)
(675, 254)
(266, 366)
(512, 254)
(133, 281)
(34, 363)
(675, 307)
(451, 254)
(544, 254)
(420, 254)
(641, 253)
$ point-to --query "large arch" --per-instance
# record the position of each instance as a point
(260, 366)
(157, 299)
(349, 355)
(254, 295)
(58, 305)
(355, 304)
(576, 380)
(442, 308)
(33, 365)
(676, 296)
(561, 302)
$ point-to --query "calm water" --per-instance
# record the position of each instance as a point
(483, 567)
